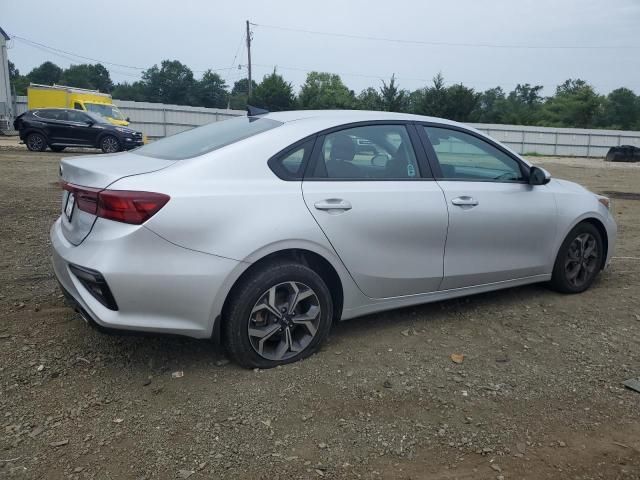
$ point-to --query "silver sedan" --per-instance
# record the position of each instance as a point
(263, 230)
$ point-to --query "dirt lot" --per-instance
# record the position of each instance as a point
(539, 394)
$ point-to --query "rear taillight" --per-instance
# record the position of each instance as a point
(118, 205)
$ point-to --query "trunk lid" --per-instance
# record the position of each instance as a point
(95, 173)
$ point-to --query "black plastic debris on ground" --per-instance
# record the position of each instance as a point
(623, 153)
(633, 384)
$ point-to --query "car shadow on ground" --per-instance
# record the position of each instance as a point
(171, 352)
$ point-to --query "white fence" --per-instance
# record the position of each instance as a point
(159, 120)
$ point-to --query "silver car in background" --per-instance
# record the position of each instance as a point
(263, 230)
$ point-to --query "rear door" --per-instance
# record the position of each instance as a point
(53, 123)
(500, 227)
(371, 192)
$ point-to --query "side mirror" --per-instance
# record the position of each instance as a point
(538, 176)
(128, 120)
(90, 123)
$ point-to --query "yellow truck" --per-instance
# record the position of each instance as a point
(60, 96)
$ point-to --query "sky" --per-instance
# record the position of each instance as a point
(481, 44)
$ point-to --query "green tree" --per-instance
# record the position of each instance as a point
(129, 91)
(523, 105)
(95, 77)
(460, 102)
(392, 98)
(432, 100)
(621, 110)
(490, 107)
(575, 104)
(46, 74)
(172, 82)
(240, 93)
(325, 90)
(369, 99)
(211, 91)
(273, 94)
(19, 83)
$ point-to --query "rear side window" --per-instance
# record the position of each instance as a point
(51, 114)
(207, 138)
(290, 164)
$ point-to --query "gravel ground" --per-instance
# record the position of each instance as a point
(538, 394)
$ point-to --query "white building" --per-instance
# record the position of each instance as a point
(6, 103)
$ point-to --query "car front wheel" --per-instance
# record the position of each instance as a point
(110, 144)
(278, 315)
(579, 260)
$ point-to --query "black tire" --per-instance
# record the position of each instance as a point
(110, 144)
(36, 142)
(242, 308)
(571, 258)
(55, 148)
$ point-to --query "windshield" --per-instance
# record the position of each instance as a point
(104, 110)
(207, 138)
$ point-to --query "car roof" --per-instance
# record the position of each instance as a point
(349, 116)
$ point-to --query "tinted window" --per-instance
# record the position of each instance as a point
(75, 116)
(206, 138)
(51, 114)
(290, 164)
(371, 152)
(465, 157)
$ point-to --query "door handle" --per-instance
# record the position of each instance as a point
(332, 204)
(465, 201)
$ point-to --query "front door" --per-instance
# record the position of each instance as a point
(386, 219)
(500, 227)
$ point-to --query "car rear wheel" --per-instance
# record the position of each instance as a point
(579, 260)
(110, 144)
(36, 142)
(278, 315)
(55, 148)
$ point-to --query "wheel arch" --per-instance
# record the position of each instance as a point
(309, 258)
(602, 230)
(603, 234)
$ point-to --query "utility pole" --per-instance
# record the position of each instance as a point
(249, 55)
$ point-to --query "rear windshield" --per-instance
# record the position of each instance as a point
(206, 138)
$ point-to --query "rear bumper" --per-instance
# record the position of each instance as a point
(158, 286)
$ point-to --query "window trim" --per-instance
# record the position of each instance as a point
(435, 163)
(423, 166)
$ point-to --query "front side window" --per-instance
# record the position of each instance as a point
(465, 157)
(77, 106)
(207, 138)
(76, 116)
(372, 152)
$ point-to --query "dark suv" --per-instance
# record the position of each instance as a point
(58, 128)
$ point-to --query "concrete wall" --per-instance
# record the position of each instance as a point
(159, 120)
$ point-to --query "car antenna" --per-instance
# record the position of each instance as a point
(255, 111)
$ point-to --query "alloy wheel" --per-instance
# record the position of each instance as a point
(582, 259)
(35, 142)
(284, 321)
(110, 145)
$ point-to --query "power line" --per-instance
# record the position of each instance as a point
(72, 56)
(444, 44)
